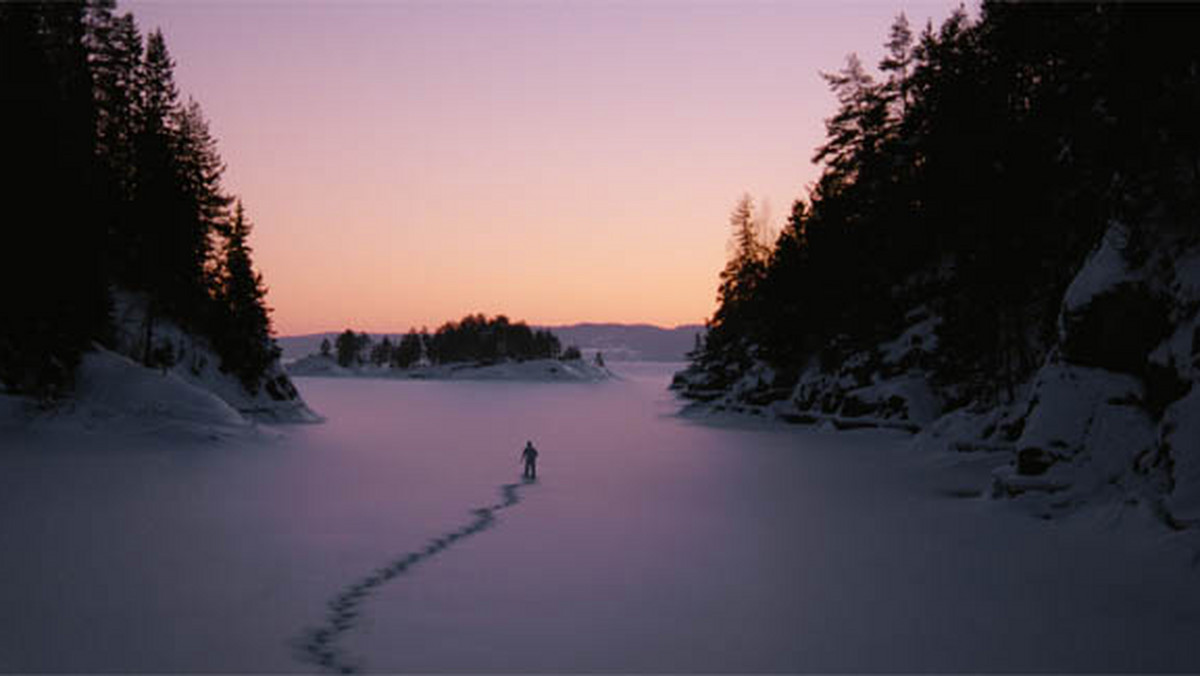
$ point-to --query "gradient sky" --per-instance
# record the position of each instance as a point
(405, 163)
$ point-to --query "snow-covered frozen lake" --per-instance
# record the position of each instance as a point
(649, 543)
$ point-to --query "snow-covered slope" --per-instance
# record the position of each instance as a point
(118, 396)
(192, 360)
(536, 370)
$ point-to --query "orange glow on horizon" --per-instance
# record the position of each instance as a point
(407, 163)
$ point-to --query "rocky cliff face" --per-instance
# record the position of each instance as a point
(1112, 413)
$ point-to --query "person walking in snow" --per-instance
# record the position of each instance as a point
(529, 457)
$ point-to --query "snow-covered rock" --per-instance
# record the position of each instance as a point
(883, 387)
(1067, 405)
(111, 385)
(888, 383)
(1104, 270)
(192, 359)
(1083, 434)
(1112, 416)
(117, 396)
(919, 338)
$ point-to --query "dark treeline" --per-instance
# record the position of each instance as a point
(118, 185)
(474, 338)
(971, 174)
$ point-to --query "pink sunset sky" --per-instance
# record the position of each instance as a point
(405, 163)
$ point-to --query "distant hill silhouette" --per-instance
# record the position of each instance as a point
(618, 342)
(631, 342)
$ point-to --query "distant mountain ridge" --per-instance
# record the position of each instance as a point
(631, 342)
(618, 342)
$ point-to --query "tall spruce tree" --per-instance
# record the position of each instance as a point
(115, 58)
(156, 212)
(199, 168)
(243, 334)
(897, 65)
(346, 346)
(408, 352)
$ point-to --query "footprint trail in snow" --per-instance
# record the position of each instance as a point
(320, 645)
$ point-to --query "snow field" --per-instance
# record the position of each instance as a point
(650, 542)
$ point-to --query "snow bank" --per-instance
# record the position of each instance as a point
(534, 370)
(1111, 418)
(192, 359)
(1068, 403)
(1084, 432)
(118, 396)
(883, 387)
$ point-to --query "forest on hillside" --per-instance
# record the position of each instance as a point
(117, 180)
(965, 180)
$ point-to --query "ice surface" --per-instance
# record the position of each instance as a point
(650, 543)
(1183, 441)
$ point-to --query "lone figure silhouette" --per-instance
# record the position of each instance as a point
(529, 456)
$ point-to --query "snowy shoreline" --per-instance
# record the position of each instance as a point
(855, 551)
(532, 370)
(1108, 417)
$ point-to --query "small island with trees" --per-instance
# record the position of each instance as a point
(473, 348)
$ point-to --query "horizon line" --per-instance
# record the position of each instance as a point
(531, 325)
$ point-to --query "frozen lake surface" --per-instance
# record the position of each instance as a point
(649, 543)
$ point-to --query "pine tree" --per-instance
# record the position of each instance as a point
(855, 132)
(326, 347)
(746, 266)
(737, 322)
(152, 257)
(179, 207)
(381, 354)
(897, 65)
(346, 345)
(244, 335)
(115, 59)
(408, 352)
(198, 168)
(362, 348)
